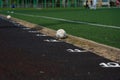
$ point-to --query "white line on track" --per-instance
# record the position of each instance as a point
(71, 21)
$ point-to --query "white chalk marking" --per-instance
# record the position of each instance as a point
(71, 21)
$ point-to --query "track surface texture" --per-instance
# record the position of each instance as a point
(26, 54)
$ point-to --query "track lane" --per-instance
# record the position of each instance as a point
(25, 56)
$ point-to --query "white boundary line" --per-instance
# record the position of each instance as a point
(71, 21)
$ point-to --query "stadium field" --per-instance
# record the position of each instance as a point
(101, 25)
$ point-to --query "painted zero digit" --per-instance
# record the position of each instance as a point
(113, 64)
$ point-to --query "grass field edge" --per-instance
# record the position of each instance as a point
(106, 51)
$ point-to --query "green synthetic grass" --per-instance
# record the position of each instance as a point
(108, 36)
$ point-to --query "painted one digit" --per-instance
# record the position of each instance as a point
(103, 65)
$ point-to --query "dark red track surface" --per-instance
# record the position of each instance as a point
(25, 56)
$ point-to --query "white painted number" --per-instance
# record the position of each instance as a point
(40, 35)
(25, 28)
(33, 31)
(109, 64)
(51, 40)
(75, 50)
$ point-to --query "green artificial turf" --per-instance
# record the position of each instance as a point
(106, 16)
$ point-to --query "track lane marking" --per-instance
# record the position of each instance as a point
(71, 21)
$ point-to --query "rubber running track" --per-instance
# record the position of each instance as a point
(26, 54)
